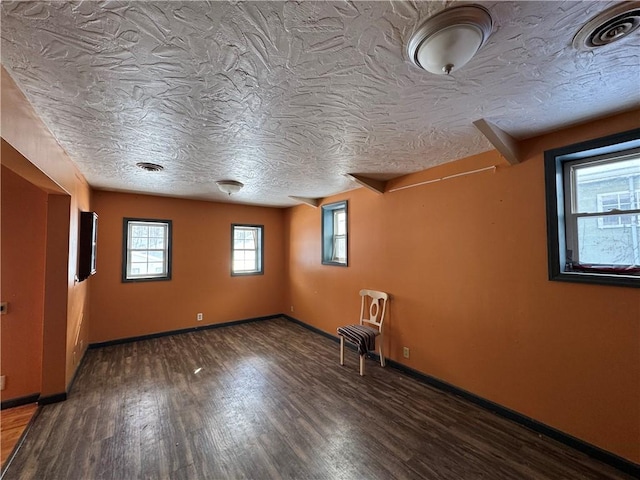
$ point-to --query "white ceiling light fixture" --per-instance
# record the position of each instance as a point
(229, 187)
(449, 39)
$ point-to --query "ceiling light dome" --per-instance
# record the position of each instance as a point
(449, 39)
(229, 186)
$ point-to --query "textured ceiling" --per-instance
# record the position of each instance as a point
(287, 97)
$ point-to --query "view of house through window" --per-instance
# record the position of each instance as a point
(603, 216)
(246, 249)
(147, 249)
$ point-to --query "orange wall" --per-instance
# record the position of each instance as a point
(201, 280)
(44, 163)
(465, 261)
(24, 213)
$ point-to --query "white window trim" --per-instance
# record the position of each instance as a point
(337, 237)
(572, 216)
(259, 249)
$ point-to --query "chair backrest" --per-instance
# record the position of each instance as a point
(373, 307)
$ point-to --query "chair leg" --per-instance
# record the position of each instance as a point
(341, 350)
(362, 365)
(381, 354)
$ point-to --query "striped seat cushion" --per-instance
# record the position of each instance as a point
(362, 336)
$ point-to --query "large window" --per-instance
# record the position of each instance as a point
(593, 210)
(334, 234)
(146, 250)
(247, 249)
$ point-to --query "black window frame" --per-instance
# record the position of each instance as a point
(125, 249)
(554, 161)
(327, 239)
(260, 255)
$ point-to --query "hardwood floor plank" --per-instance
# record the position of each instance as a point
(268, 400)
(13, 422)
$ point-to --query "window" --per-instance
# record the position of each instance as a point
(593, 211)
(246, 249)
(334, 234)
(146, 252)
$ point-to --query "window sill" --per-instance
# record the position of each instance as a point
(598, 279)
(151, 279)
(335, 264)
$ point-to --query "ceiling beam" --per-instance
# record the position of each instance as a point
(312, 202)
(508, 146)
(377, 186)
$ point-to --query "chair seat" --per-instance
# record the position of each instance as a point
(361, 335)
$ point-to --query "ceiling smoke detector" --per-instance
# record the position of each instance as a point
(149, 167)
(609, 26)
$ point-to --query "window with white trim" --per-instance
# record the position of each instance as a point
(247, 249)
(593, 211)
(146, 250)
(334, 234)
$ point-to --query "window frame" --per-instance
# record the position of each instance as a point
(556, 186)
(328, 238)
(259, 252)
(125, 249)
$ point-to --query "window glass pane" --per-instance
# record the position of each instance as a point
(156, 243)
(156, 232)
(156, 256)
(250, 243)
(139, 243)
(139, 268)
(138, 256)
(609, 246)
(599, 187)
(340, 248)
(156, 268)
(139, 230)
(340, 222)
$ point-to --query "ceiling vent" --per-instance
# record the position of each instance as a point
(149, 167)
(609, 26)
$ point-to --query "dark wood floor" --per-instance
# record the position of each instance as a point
(269, 400)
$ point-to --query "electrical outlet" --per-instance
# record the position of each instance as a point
(405, 352)
(199, 317)
(3, 379)
(292, 308)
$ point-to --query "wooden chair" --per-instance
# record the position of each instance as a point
(372, 311)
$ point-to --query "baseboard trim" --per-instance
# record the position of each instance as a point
(18, 402)
(592, 451)
(312, 328)
(19, 443)
(55, 398)
(169, 333)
